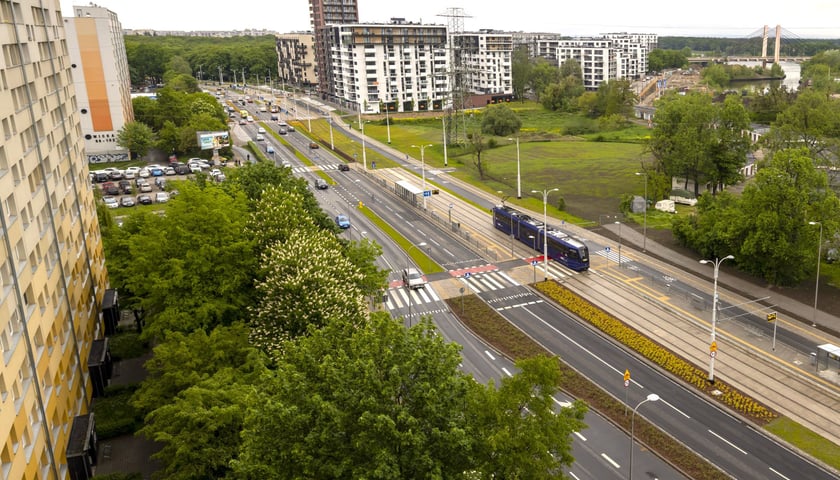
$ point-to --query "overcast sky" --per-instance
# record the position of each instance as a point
(731, 18)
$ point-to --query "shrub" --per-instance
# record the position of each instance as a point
(115, 414)
(127, 345)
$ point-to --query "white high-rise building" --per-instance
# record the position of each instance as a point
(399, 66)
(52, 270)
(610, 57)
(102, 80)
(485, 61)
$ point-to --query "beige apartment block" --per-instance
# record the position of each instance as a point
(52, 269)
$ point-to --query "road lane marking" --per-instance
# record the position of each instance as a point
(507, 372)
(777, 473)
(487, 352)
(614, 464)
(580, 436)
(728, 442)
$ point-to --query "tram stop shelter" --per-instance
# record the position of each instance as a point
(828, 357)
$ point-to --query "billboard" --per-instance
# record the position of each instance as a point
(213, 140)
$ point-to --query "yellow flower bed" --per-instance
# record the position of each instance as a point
(653, 351)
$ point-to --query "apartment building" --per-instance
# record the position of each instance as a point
(321, 14)
(609, 57)
(102, 80)
(401, 66)
(52, 270)
(538, 44)
(296, 58)
(483, 62)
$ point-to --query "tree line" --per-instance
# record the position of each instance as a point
(268, 363)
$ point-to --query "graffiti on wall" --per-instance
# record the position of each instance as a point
(108, 158)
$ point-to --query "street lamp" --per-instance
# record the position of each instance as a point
(817, 285)
(644, 242)
(518, 171)
(364, 150)
(445, 159)
(407, 284)
(332, 142)
(423, 168)
(619, 243)
(388, 124)
(545, 226)
(534, 242)
(650, 398)
(713, 345)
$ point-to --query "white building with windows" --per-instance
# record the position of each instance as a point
(484, 59)
(610, 57)
(400, 66)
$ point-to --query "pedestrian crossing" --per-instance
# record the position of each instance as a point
(555, 270)
(613, 256)
(488, 281)
(399, 297)
(305, 169)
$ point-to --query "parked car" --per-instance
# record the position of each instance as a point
(169, 171)
(215, 172)
(133, 170)
(145, 188)
(114, 173)
(110, 202)
(342, 221)
(194, 167)
(161, 197)
(160, 183)
(100, 176)
(109, 188)
(129, 174)
(144, 173)
(182, 169)
(127, 201)
(144, 199)
(125, 187)
(156, 171)
(413, 278)
(344, 167)
(321, 184)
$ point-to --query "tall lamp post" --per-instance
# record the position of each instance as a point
(388, 123)
(817, 285)
(545, 194)
(619, 243)
(407, 286)
(713, 345)
(644, 242)
(445, 159)
(518, 171)
(364, 150)
(332, 142)
(423, 168)
(650, 398)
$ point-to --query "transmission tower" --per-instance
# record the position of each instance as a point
(459, 76)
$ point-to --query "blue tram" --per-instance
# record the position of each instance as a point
(530, 231)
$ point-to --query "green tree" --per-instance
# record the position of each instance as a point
(478, 146)
(571, 68)
(137, 137)
(563, 96)
(183, 83)
(715, 76)
(543, 74)
(813, 121)
(660, 59)
(728, 153)
(308, 282)
(518, 431)
(520, 71)
(778, 243)
(500, 120)
(193, 267)
(375, 400)
(615, 97)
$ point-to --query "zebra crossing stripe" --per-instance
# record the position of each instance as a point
(492, 281)
(506, 277)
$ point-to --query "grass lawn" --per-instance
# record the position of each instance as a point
(807, 440)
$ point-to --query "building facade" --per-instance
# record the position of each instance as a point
(609, 57)
(321, 14)
(102, 80)
(399, 66)
(538, 44)
(296, 59)
(482, 63)
(52, 269)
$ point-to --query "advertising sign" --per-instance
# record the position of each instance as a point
(213, 140)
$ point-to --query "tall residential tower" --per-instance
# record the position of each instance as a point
(52, 270)
(321, 14)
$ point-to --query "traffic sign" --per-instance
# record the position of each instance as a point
(607, 249)
(712, 354)
(467, 274)
(451, 205)
(713, 347)
(534, 262)
(427, 193)
(626, 383)
(626, 376)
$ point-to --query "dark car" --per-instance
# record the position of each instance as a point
(127, 201)
(313, 145)
(321, 184)
(110, 188)
(125, 187)
(100, 177)
(344, 167)
(144, 199)
(182, 169)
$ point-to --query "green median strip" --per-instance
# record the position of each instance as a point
(426, 264)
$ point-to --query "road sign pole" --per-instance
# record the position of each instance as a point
(626, 389)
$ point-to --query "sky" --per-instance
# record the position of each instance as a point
(709, 18)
